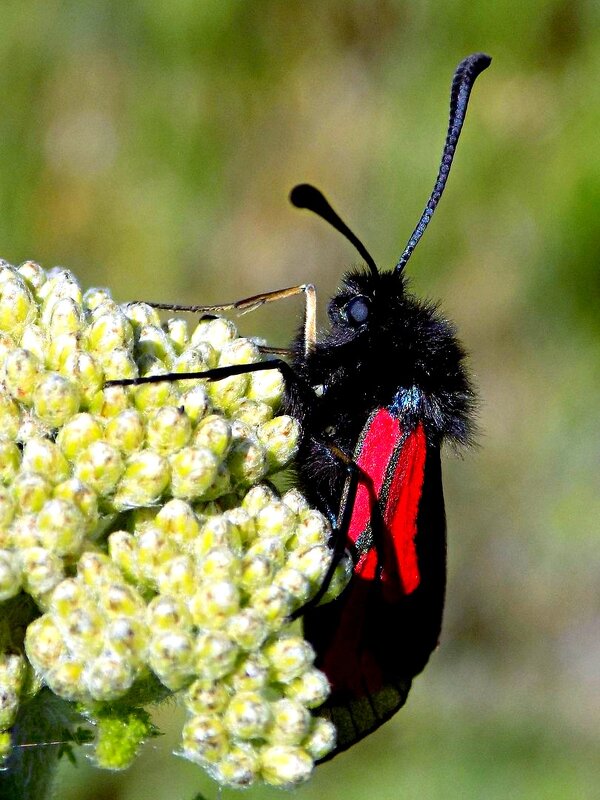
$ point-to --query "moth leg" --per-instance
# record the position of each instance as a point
(219, 373)
(248, 304)
(341, 523)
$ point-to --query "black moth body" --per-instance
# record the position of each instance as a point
(376, 398)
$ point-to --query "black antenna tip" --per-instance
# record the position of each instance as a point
(305, 196)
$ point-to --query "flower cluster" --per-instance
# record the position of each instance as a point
(128, 516)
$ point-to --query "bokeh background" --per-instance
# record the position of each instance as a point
(149, 146)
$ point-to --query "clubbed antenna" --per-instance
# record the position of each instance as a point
(306, 196)
(462, 83)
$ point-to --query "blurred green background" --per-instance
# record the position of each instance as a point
(150, 145)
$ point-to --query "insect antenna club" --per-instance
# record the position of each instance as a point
(376, 397)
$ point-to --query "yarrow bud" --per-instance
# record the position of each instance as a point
(135, 520)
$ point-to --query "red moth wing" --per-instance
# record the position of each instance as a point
(372, 640)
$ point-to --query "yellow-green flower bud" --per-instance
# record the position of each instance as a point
(274, 603)
(95, 296)
(322, 738)
(154, 395)
(227, 392)
(247, 628)
(13, 671)
(311, 688)
(122, 549)
(116, 364)
(118, 599)
(216, 654)
(66, 316)
(267, 386)
(17, 308)
(34, 339)
(9, 706)
(340, 579)
(31, 491)
(23, 532)
(41, 570)
(10, 578)
(85, 371)
(206, 697)
(45, 457)
(55, 399)
(33, 274)
(168, 430)
(214, 433)
(239, 351)
(83, 629)
(176, 577)
(243, 524)
(239, 768)
(204, 739)
(311, 529)
(246, 461)
(22, 371)
(251, 412)
(109, 402)
(271, 548)
(177, 518)
(280, 438)
(153, 341)
(61, 348)
(171, 657)
(66, 679)
(8, 344)
(128, 638)
(248, 716)
(6, 747)
(100, 466)
(195, 359)
(217, 532)
(165, 613)
(285, 765)
(7, 510)
(60, 283)
(214, 603)
(110, 331)
(79, 494)
(195, 402)
(109, 677)
(251, 675)
(69, 595)
(77, 434)
(218, 564)
(256, 498)
(153, 551)
(257, 571)
(44, 643)
(294, 582)
(126, 431)
(217, 332)
(145, 478)
(291, 722)
(141, 314)
(313, 563)
(275, 519)
(98, 571)
(193, 469)
(10, 459)
(177, 331)
(10, 416)
(289, 657)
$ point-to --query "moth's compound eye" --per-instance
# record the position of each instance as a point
(357, 310)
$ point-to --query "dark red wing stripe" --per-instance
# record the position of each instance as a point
(392, 467)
